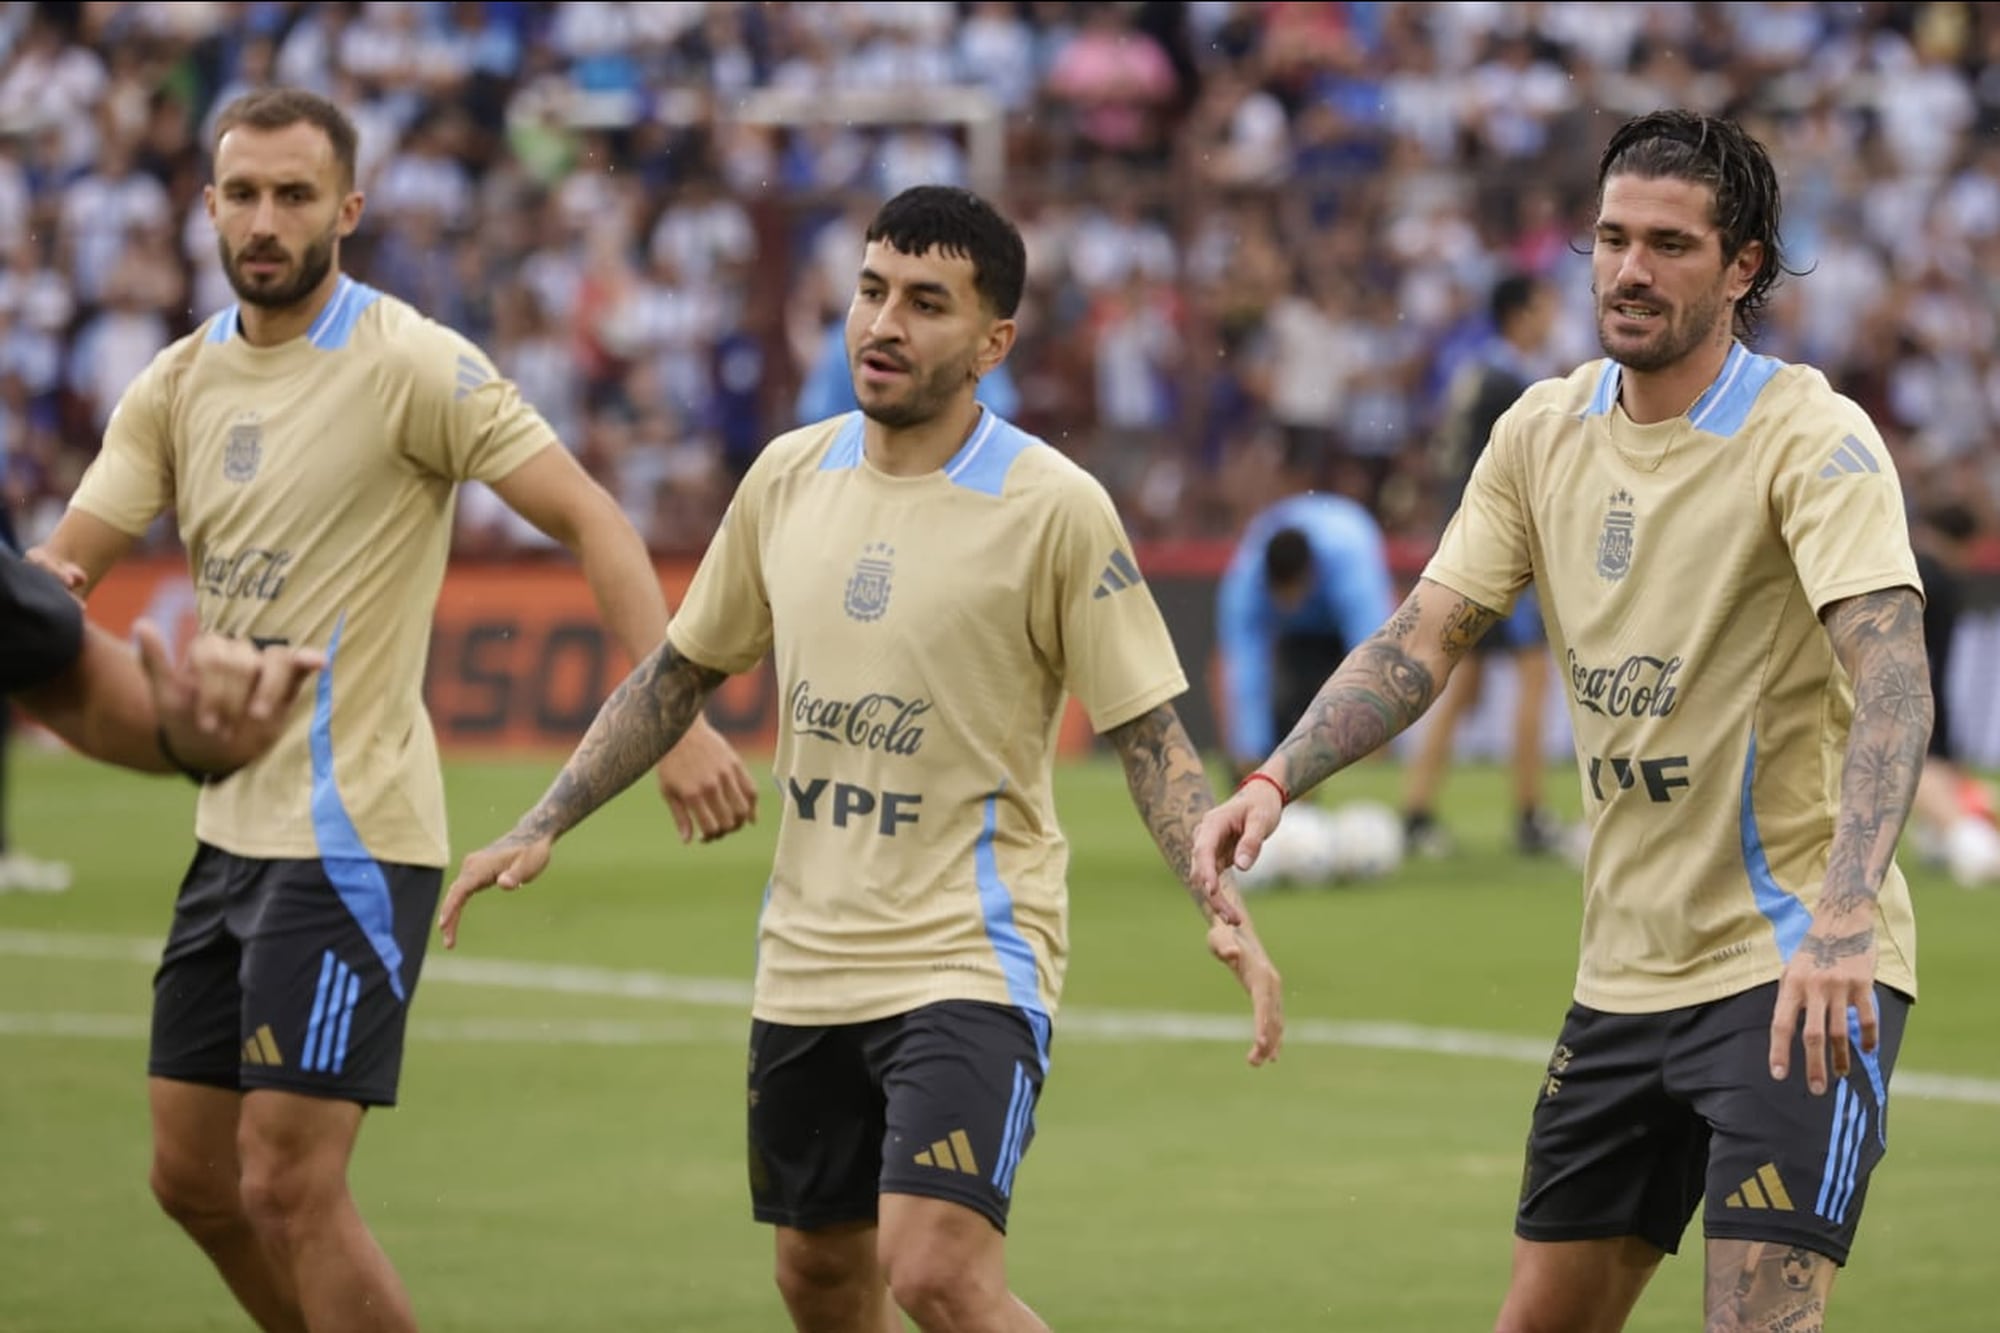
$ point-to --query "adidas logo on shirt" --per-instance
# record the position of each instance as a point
(1850, 458)
(1119, 575)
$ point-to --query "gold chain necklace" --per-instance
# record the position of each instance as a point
(1631, 455)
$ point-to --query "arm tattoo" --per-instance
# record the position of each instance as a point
(1879, 639)
(1382, 687)
(1168, 785)
(1760, 1287)
(643, 719)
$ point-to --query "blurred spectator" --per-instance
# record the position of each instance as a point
(1256, 232)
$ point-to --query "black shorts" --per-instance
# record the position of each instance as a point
(278, 975)
(1639, 1115)
(939, 1101)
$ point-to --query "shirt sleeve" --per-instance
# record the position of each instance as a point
(467, 422)
(724, 621)
(1111, 646)
(131, 481)
(1838, 504)
(1485, 554)
(40, 623)
(1243, 638)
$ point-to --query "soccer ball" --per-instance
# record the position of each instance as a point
(1972, 852)
(1367, 840)
(1313, 847)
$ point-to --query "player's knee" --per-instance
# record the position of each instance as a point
(941, 1288)
(282, 1190)
(201, 1197)
(815, 1277)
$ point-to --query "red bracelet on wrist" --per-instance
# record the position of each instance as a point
(1284, 797)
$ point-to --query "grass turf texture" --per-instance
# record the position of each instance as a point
(574, 1160)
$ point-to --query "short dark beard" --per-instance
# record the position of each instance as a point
(933, 394)
(314, 265)
(1698, 329)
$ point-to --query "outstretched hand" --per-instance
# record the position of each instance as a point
(1229, 838)
(511, 862)
(1238, 948)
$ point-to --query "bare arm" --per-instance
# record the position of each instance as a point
(1170, 789)
(223, 704)
(643, 719)
(1168, 785)
(102, 706)
(81, 549)
(553, 492)
(704, 781)
(1382, 687)
(1879, 639)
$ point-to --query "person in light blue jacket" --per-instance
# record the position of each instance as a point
(1308, 582)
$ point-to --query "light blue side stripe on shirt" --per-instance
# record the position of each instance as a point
(354, 874)
(1788, 916)
(1017, 957)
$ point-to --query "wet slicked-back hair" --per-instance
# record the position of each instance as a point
(277, 108)
(1718, 153)
(958, 222)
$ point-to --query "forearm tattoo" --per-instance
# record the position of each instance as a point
(1879, 638)
(643, 719)
(1382, 687)
(1169, 786)
(1762, 1287)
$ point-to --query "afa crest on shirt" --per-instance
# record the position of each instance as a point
(1614, 544)
(868, 587)
(243, 450)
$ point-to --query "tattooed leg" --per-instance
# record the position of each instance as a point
(1758, 1286)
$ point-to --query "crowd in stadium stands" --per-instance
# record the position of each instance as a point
(1261, 236)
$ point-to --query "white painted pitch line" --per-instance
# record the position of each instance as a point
(522, 1032)
(1126, 1025)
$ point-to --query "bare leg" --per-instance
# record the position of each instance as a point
(1576, 1286)
(199, 1182)
(295, 1151)
(832, 1282)
(947, 1268)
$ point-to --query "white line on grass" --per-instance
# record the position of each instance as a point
(1127, 1025)
(522, 1032)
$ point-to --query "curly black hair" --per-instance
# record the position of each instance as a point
(959, 222)
(1718, 153)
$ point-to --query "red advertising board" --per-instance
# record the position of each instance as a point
(519, 658)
